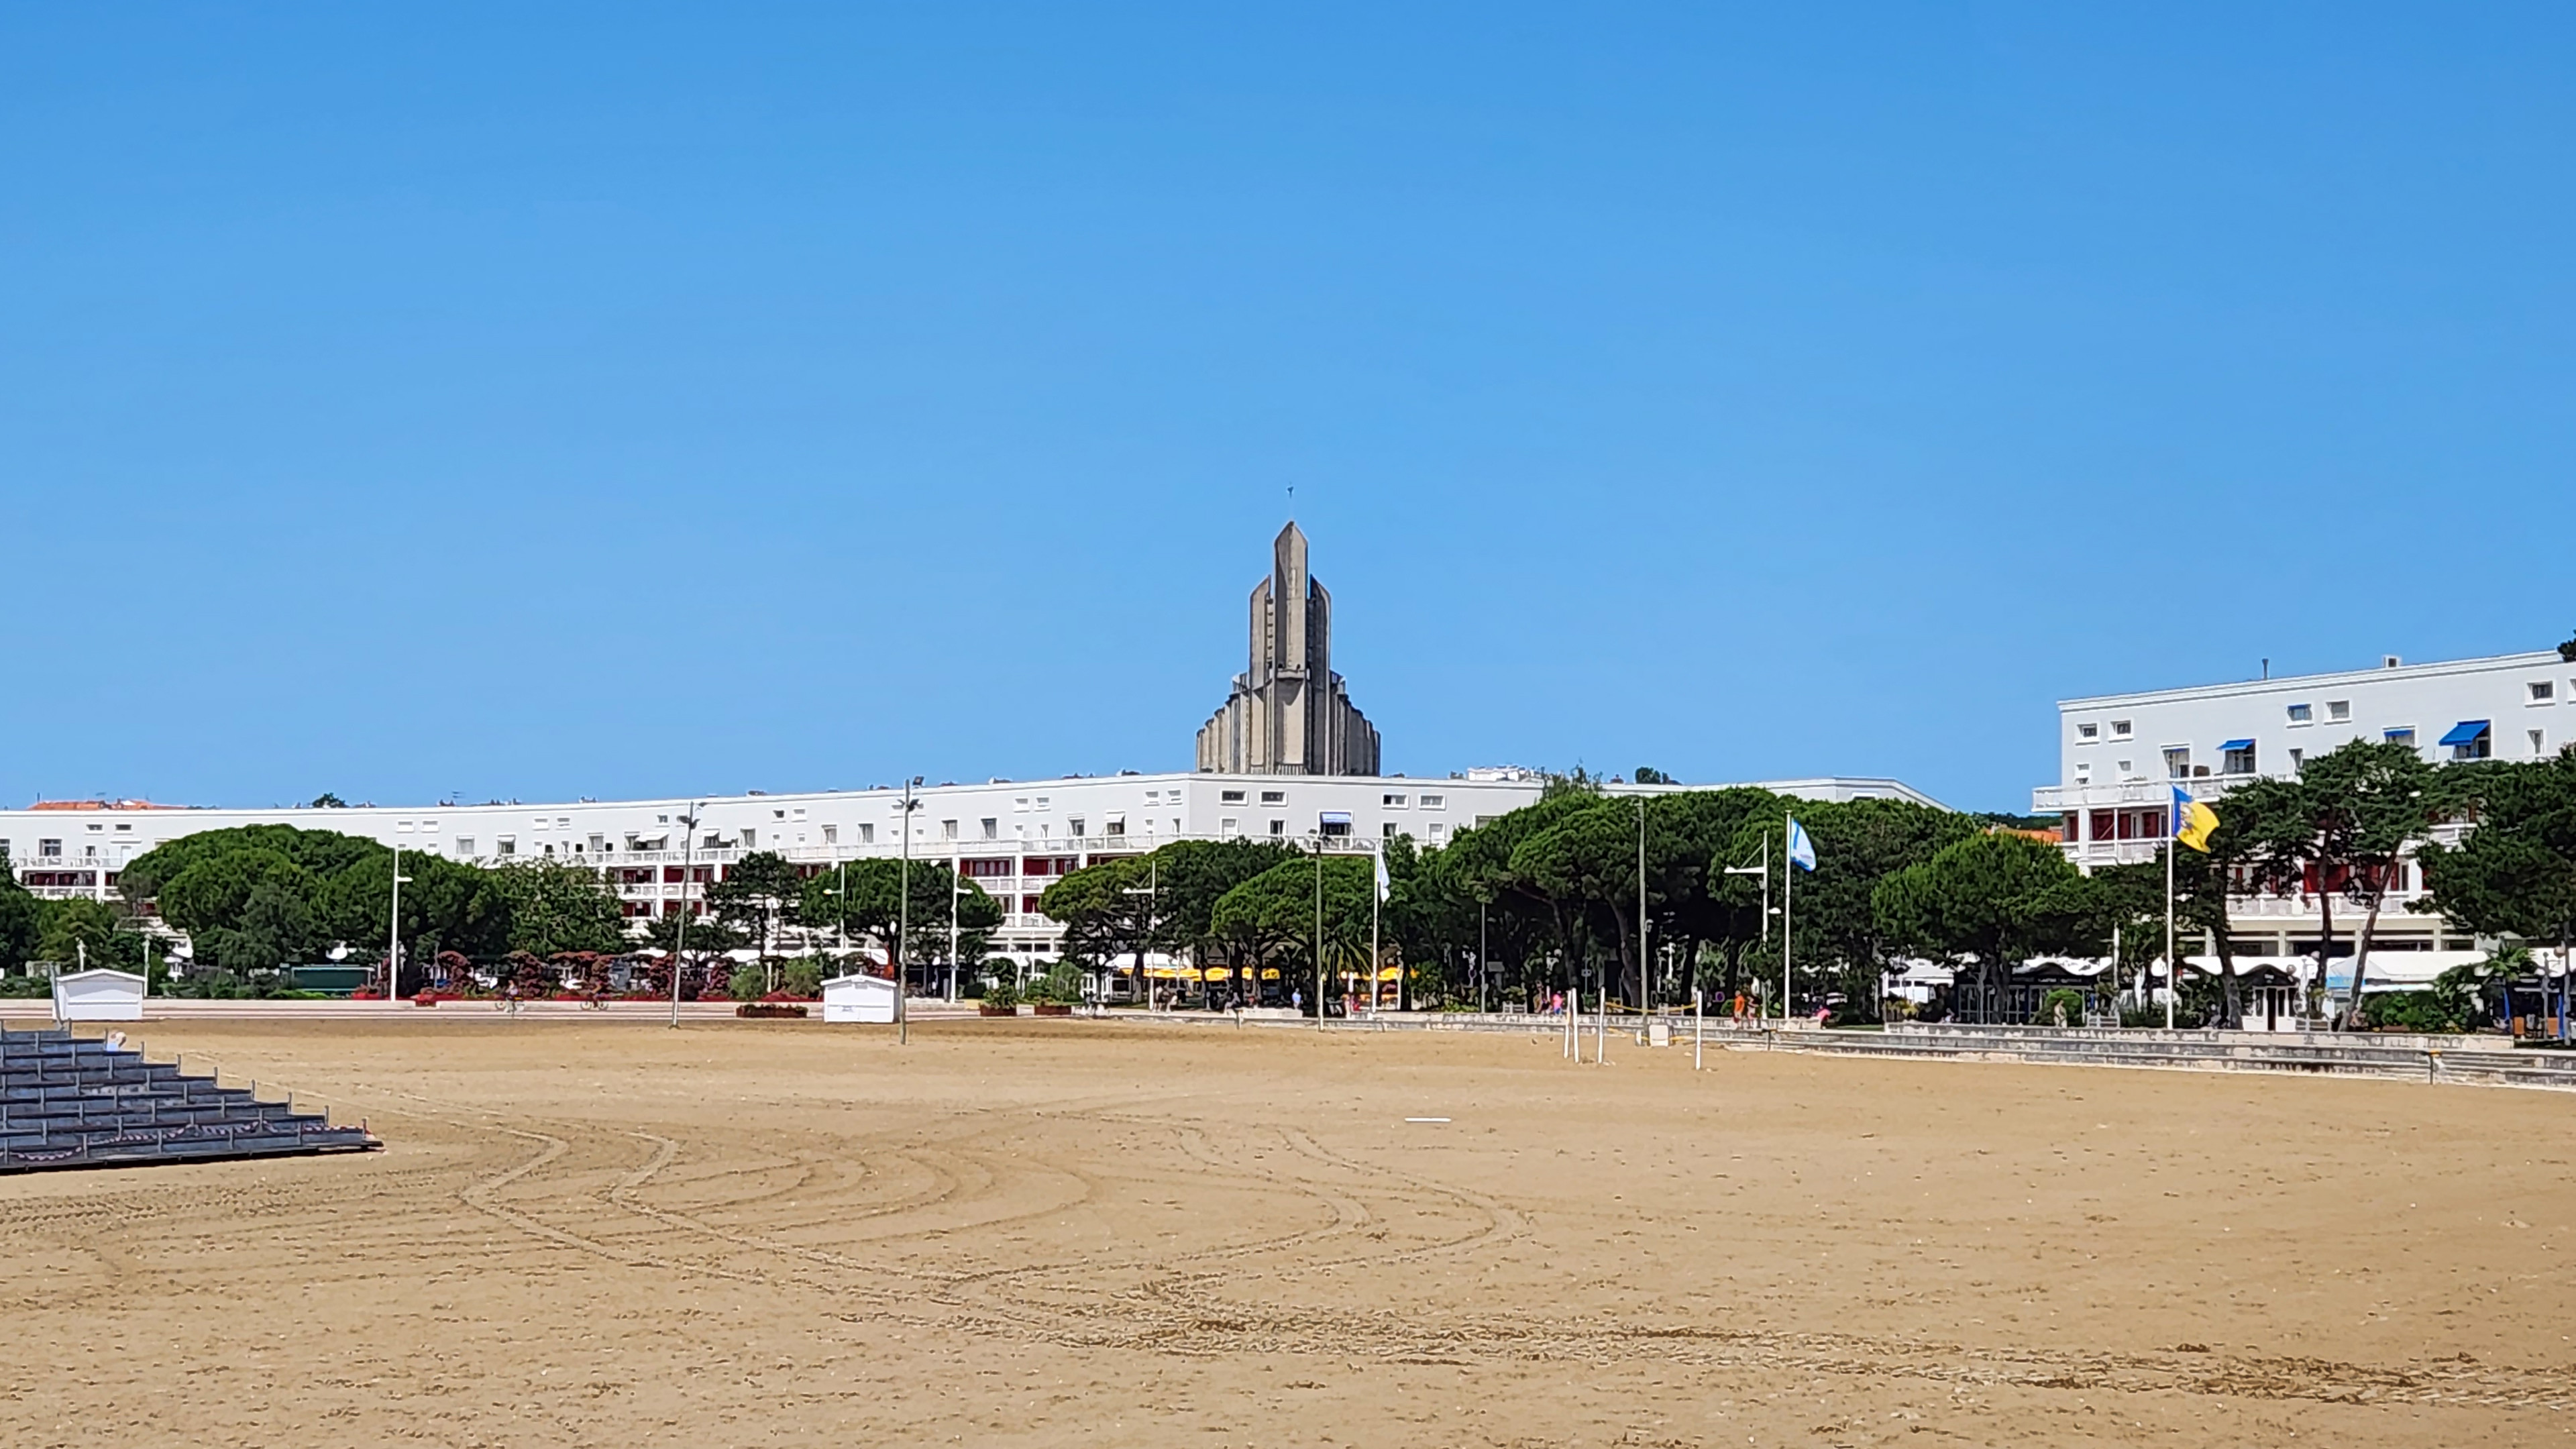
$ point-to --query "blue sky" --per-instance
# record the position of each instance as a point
(512, 402)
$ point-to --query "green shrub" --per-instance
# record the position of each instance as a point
(2061, 996)
(745, 984)
(801, 978)
(1003, 990)
(2420, 1011)
(1062, 985)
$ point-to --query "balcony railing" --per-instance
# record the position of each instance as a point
(2106, 795)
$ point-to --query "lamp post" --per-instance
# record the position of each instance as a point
(1319, 932)
(393, 938)
(1763, 870)
(903, 916)
(680, 933)
(1152, 892)
(956, 888)
(1645, 993)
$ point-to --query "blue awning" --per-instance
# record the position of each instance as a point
(1335, 817)
(2237, 745)
(2466, 732)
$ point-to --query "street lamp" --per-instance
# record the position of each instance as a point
(1645, 993)
(393, 935)
(1763, 870)
(680, 935)
(903, 916)
(1152, 891)
(956, 888)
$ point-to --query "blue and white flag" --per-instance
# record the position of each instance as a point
(1384, 887)
(1802, 851)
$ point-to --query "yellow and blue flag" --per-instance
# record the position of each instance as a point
(2192, 821)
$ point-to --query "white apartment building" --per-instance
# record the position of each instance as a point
(1012, 837)
(2119, 756)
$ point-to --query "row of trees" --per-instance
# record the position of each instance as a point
(1547, 897)
(256, 898)
(860, 904)
(1542, 899)
(2345, 832)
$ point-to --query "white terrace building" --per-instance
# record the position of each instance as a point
(1014, 838)
(2120, 755)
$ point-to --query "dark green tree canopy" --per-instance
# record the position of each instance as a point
(1999, 898)
(2515, 873)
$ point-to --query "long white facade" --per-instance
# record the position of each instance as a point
(2120, 755)
(1014, 838)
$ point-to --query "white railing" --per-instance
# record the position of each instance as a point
(2107, 795)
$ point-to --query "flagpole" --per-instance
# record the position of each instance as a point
(1377, 897)
(2173, 978)
(1788, 879)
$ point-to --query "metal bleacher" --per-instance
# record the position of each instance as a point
(69, 1101)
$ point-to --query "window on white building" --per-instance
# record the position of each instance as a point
(867, 833)
(992, 827)
(948, 830)
(1278, 827)
(1073, 826)
(2127, 769)
(2088, 732)
(1274, 797)
(1434, 802)
(1439, 831)
(2543, 691)
(465, 845)
(1229, 797)
(2084, 772)
(831, 835)
(1228, 827)
(2296, 758)
(2402, 735)
(2535, 744)
(507, 845)
(2119, 729)
(2236, 757)
(2177, 762)
(1391, 802)
(2301, 714)
(2338, 710)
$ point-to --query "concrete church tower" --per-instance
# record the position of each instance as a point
(1289, 713)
